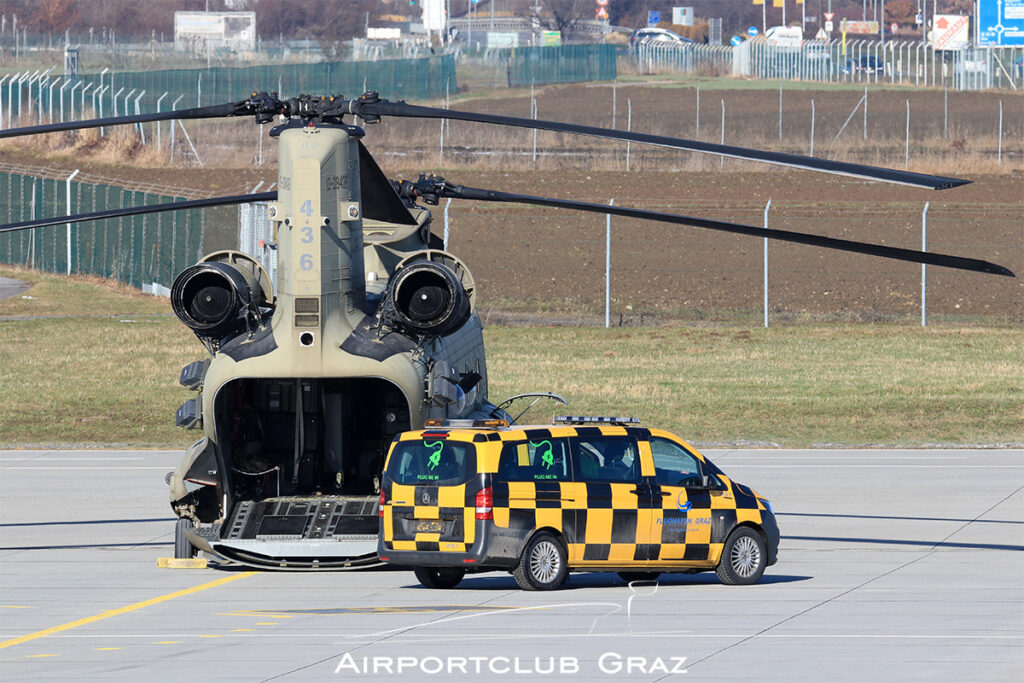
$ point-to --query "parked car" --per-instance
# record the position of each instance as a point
(865, 64)
(657, 35)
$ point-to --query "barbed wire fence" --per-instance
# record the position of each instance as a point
(141, 251)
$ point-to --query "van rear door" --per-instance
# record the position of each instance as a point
(432, 483)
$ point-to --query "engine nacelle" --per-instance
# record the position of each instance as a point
(429, 294)
(220, 295)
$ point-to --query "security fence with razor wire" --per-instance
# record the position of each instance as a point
(44, 96)
(138, 250)
(854, 61)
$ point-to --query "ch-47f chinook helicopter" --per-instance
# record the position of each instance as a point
(371, 329)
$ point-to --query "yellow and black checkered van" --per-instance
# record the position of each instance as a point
(589, 494)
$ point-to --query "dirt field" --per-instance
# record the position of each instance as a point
(530, 260)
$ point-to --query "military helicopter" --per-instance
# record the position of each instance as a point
(371, 329)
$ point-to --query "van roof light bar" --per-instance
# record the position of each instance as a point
(582, 419)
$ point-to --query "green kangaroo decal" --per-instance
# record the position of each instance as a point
(547, 458)
(435, 457)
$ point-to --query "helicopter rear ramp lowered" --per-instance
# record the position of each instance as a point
(297, 533)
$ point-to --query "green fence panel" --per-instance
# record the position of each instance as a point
(412, 79)
(561, 64)
(135, 250)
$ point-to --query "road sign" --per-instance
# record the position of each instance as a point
(601, 13)
(736, 41)
(653, 18)
(829, 16)
(682, 16)
(861, 26)
(950, 32)
(1001, 22)
(602, 3)
(828, 26)
(894, 27)
(752, 31)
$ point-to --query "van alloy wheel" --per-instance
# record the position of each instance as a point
(745, 556)
(543, 564)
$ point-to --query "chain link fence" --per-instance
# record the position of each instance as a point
(564, 64)
(43, 96)
(857, 61)
(256, 236)
(136, 250)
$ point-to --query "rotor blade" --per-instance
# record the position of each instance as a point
(141, 210)
(403, 109)
(216, 111)
(962, 263)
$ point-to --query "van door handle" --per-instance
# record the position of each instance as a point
(637, 491)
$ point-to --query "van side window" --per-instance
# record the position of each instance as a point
(606, 458)
(534, 460)
(673, 464)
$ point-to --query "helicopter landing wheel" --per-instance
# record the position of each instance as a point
(183, 548)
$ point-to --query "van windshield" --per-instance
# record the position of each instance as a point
(432, 461)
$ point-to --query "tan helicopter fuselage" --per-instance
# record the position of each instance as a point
(297, 416)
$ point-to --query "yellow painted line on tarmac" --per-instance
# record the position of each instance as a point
(15, 606)
(54, 655)
(239, 630)
(212, 636)
(123, 610)
(266, 623)
(167, 642)
(104, 649)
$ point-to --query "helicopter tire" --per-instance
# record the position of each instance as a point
(183, 548)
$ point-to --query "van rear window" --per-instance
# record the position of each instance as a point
(433, 462)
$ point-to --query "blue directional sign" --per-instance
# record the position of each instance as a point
(1000, 22)
(653, 17)
(752, 31)
(736, 41)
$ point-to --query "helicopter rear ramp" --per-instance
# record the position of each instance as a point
(297, 533)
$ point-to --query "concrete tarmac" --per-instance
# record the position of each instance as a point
(894, 565)
(10, 287)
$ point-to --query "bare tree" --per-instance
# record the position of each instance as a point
(564, 15)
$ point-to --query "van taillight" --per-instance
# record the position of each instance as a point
(382, 502)
(484, 504)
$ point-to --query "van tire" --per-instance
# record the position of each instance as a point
(439, 577)
(543, 565)
(183, 548)
(744, 558)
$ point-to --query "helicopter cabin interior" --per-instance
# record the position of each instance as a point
(289, 438)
